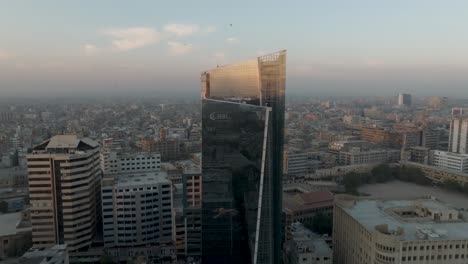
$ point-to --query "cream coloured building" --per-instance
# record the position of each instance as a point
(452, 161)
(64, 190)
(116, 162)
(357, 156)
(423, 230)
(458, 137)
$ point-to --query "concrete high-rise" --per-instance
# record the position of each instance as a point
(64, 192)
(136, 211)
(404, 99)
(136, 203)
(242, 156)
(458, 137)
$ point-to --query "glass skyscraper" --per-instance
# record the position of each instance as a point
(243, 130)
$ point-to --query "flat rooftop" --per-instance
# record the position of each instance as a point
(60, 143)
(303, 235)
(51, 255)
(8, 223)
(307, 201)
(142, 178)
(373, 212)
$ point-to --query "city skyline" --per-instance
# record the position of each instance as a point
(163, 132)
(359, 48)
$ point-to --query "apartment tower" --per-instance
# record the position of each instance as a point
(64, 192)
(458, 138)
(404, 99)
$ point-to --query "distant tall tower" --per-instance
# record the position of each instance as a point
(458, 138)
(242, 155)
(64, 190)
(404, 99)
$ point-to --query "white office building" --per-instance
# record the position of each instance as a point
(115, 162)
(301, 163)
(356, 156)
(449, 160)
(136, 209)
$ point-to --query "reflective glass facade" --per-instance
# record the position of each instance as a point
(243, 123)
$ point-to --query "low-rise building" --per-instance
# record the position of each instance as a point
(336, 147)
(422, 230)
(15, 234)
(302, 163)
(302, 207)
(356, 156)
(57, 254)
(114, 162)
(306, 247)
(309, 186)
(452, 161)
(13, 177)
(419, 154)
(340, 171)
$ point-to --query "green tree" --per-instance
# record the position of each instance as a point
(321, 224)
(453, 185)
(3, 207)
(413, 174)
(351, 182)
(465, 188)
(106, 259)
(382, 173)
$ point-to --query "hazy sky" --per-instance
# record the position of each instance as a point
(344, 47)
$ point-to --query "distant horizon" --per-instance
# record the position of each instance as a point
(55, 48)
(193, 96)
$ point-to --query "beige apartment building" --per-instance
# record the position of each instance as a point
(423, 230)
(458, 137)
(64, 186)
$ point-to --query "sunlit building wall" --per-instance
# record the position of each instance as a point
(64, 191)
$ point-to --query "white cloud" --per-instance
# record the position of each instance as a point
(232, 40)
(133, 37)
(219, 55)
(90, 49)
(209, 29)
(4, 55)
(374, 63)
(177, 48)
(181, 29)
